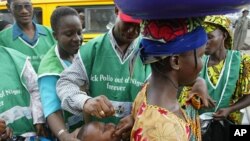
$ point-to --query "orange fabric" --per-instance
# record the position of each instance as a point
(153, 123)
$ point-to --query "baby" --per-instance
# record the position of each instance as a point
(97, 131)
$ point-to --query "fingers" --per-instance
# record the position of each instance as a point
(195, 100)
(125, 125)
(190, 96)
(9, 132)
(99, 106)
(2, 127)
(119, 131)
(123, 132)
(205, 101)
(2, 121)
(126, 136)
(219, 115)
(111, 110)
(210, 103)
(41, 130)
(106, 108)
(6, 134)
(75, 133)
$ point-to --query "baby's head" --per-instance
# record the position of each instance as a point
(97, 131)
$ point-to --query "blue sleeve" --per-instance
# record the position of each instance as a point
(50, 101)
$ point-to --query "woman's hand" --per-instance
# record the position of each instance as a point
(200, 89)
(222, 114)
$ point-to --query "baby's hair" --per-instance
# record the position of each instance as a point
(60, 12)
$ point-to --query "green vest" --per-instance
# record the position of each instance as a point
(224, 89)
(108, 75)
(14, 96)
(51, 64)
(36, 52)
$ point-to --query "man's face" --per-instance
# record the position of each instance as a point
(127, 32)
(22, 11)
(98, 131)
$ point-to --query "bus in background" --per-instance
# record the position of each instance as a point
(97, 16)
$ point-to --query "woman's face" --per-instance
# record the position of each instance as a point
(69, 34)
(98, 131)
(189, 69)
(215, 41)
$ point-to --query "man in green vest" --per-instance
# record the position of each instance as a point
(25, 36)
(102, 68)
(20, 105)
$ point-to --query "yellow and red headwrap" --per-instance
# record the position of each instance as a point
(211, 23)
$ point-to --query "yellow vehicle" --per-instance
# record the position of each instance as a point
(98, 15)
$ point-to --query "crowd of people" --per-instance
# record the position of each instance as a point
(143, 80)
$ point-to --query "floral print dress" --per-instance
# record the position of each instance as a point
(153, 123)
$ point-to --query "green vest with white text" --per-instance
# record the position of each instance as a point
(109, 75)
(14, 96)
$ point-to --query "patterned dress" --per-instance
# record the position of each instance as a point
(153, 123)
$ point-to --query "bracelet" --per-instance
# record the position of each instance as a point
(60, 132)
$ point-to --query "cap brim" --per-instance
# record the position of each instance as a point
(127, 18)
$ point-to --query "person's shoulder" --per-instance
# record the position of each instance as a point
(50, 54)
(44, 28)
(142, 93)
(245, 56)
(13, 52)
(97, 41)
(6, 29)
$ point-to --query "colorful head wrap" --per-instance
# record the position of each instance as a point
(211, 23)
(163, 38)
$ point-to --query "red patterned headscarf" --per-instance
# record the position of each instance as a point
(162, 38)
